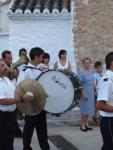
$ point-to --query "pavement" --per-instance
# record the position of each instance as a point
(65, 134)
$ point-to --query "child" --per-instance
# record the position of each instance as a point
(97, 76)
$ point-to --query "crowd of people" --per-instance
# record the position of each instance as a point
(94, 97)
(98, 96)
(11, 74)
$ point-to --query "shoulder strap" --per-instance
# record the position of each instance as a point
(110, 79)
(30, 67)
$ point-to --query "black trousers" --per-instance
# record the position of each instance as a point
(106, 127)
(7, 129)
(38, 122)
(17, 128)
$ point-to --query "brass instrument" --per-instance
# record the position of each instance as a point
(12, 71)
(19, 62)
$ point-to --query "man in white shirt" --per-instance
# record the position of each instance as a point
(38, 121)
(12, 74)
(7, 108)
(105, 104)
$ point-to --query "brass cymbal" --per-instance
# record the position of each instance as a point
(38, 103)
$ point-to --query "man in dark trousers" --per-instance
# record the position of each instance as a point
(7, 109)
(37, 121)
(12, 75)
(105, 104)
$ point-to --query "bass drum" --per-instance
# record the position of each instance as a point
(63, 89)
(77, 87)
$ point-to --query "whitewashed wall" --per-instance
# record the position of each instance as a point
(4, 27)
(4, 42)
(49, 34)
(4, 20)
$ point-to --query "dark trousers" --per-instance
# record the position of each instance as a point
(6, 130)
(106, 127)
(38, 121)
(17, 128)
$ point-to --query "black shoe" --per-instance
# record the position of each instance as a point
(83, 129)
(88, 128)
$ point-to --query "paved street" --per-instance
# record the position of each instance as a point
(64, 134)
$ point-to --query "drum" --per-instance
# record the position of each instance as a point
(63, 90)
(77, 87)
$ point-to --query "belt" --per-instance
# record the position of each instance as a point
(5, 112)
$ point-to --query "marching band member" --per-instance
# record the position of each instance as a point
(12, 74)
(23, 53)
(105, 104)
(37, 121)
(23, 59)
(7, 110)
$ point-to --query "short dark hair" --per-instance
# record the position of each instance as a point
(4, 53)
(97, 63)
(61, 52)
(36, 51)
(108, 60)
(22, 50)
(46, 55)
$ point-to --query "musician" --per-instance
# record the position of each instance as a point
(38, 121)
(12, 75)
(105, 104)
(7, 108)
(23, 53)
(24, 61)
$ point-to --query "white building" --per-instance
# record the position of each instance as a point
(43, 23)
(4, 25)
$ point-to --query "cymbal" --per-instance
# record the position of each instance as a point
(39, 97)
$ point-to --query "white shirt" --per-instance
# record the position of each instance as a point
(60, 66)
(97, 77)
(43, 67)
(20, 68)
(105, 91)
(6, 91)
(29, 73)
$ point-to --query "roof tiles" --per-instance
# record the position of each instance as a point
(40, 5)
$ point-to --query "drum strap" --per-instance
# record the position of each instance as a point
(30, 67)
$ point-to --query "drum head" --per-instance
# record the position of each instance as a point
(77, 87)
(38, 103)
(59, 89)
